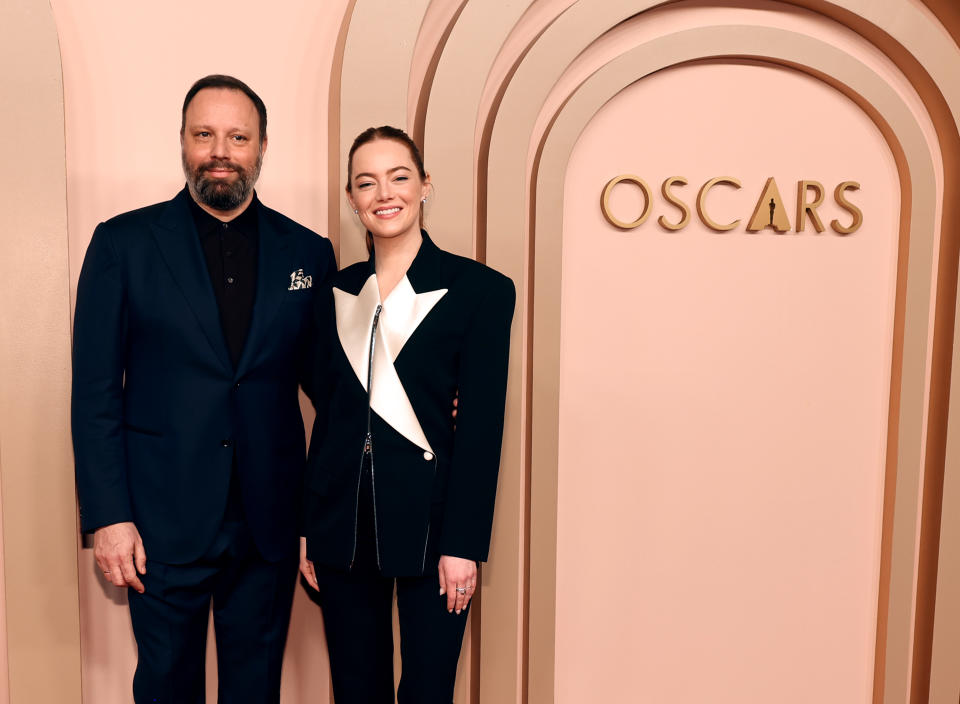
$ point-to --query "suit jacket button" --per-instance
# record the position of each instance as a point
(428, 456)
(227, 442)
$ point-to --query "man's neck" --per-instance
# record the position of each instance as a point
(223, 215)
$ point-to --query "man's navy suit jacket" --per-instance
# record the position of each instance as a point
(160, 412)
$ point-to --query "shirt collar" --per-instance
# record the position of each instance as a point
(246, 223)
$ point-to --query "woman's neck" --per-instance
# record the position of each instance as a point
(394, 256)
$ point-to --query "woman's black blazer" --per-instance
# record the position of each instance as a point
(443, 331)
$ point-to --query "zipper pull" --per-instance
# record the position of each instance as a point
(368, 444)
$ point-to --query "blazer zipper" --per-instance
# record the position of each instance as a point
(426, 541)
(368, 450)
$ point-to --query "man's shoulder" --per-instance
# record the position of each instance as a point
(132, 229)
(135, 219)
(304, 236)
(287, 224)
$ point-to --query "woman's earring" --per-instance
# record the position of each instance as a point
(356, 211)
(424, 200)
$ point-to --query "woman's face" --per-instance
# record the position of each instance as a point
(386, 190)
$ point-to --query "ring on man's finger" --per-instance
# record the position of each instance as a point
(106, 571)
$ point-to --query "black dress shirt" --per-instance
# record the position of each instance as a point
(230, 249)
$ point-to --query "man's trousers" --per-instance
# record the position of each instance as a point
(251, 601)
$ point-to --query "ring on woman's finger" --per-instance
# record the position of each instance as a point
(461, 590)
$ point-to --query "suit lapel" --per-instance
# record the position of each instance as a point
(275, 263)
(179, 245)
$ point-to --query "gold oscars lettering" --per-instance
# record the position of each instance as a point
(770, 211)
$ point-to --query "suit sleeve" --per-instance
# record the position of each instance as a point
(313, 383)
(472, 486)
(317, 384)
(99, 344)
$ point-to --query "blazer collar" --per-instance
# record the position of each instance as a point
(425, 271)
(179, 244)
(275, 265)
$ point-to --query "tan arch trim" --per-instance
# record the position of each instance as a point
(557, 167)
(596, 19)
(502, 72)
(935, 450)
(470, 60)
(438, 23)
(333, 130)
(544, 58)
(40, 585)
(378, 51)
(948, 12)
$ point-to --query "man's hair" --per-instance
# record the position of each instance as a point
(220, 81)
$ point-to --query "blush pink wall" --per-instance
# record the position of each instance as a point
(723, 401)
(126, 67)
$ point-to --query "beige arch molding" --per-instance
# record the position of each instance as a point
(438, 22)
(523, 96)
(473, 58)
(911, 35)
(918, 233)
(39, 562)
(555, 31)
(376, 63)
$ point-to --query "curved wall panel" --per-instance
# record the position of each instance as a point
(41, 630)
(723, 398)
(506, 209)
(126, 70)
(697, 43)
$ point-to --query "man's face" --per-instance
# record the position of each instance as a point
(221, 148)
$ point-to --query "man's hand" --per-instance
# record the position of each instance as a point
(306, 566)
(117, 548)
(458, 580)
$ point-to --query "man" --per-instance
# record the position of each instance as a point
(191, 325)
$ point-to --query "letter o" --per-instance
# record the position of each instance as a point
(605, 201)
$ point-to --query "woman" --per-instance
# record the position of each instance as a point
(395, 494)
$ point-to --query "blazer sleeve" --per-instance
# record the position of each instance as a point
(472, 485)
(99, 344)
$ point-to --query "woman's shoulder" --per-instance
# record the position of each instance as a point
(463, 272)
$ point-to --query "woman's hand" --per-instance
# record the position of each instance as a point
(458, 580)
(306, 566)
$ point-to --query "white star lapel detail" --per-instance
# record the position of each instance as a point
(401, 314)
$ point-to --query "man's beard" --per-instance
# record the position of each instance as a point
(217, 193)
